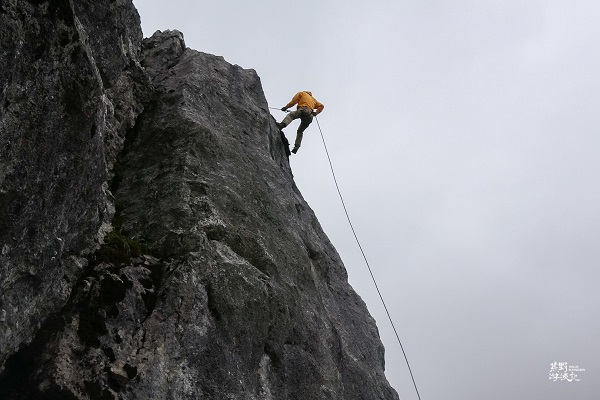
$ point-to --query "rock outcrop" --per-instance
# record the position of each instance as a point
(153, 242)
(68, 94)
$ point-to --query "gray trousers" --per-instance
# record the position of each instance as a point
(306, 117)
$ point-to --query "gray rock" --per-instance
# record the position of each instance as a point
(68, 95)
(215, 279)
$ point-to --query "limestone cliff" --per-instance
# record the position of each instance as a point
(152, 241)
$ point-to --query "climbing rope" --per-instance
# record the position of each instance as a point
(366, 260)
(279, 109)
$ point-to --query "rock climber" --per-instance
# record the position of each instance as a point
(307, 107)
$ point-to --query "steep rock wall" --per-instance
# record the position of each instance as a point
(215, 279)
(68, 93)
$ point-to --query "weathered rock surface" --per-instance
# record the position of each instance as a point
(215, 280)
(68, 94)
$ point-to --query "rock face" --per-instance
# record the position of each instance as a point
(153, 242)
(68, 95)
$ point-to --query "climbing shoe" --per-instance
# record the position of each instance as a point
(295, 149)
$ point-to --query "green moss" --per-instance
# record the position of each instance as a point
(119, 249)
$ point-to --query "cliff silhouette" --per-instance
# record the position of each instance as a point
(153, 244)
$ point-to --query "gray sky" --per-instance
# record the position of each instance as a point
(465, 139)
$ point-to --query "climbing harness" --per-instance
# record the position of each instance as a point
(365, 258)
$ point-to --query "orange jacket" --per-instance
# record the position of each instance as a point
(305, 99)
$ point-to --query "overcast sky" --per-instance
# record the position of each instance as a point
(465, 139)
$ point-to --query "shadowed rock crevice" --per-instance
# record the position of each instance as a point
(90, 325)
(21, 368)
